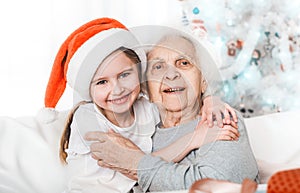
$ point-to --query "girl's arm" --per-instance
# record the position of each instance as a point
(177, 150)
(202, 135)
(213, 109)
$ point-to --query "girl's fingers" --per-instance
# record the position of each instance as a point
(233, 124)
(233, 130)
(230, 132)
(227, 137)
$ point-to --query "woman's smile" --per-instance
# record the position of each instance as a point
(175, 90)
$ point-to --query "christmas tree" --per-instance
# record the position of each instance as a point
(259, 43)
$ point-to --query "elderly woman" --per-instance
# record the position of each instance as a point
(175, 84)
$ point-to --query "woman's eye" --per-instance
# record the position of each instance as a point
(101, 82)
(124, 75)
(157, 66)
(183, 63)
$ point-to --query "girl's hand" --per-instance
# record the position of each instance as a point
(227, 132)
(214, 109)
(204, 134)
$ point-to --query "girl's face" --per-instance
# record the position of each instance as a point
(115, 85)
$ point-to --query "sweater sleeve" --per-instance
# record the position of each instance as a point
(224, 160)
(159, 175)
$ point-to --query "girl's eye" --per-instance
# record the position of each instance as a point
(101, 82)
(124, 75)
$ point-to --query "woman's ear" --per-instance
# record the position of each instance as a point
(144, 88)
(203, 85)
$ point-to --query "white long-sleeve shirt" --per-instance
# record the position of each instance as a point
(84, 173)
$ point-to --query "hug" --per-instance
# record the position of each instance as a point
(145, 118)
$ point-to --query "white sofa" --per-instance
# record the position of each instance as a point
(29, 149)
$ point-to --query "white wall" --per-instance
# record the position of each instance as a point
(33, 30)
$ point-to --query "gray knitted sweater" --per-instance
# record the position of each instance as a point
(225, 160)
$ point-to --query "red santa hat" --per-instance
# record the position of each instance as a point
(81, 53)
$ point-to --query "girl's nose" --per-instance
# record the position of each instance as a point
(118, 88)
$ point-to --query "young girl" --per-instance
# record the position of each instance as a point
(103, 64)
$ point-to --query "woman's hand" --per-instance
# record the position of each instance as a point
(132, 174)
(114, 151)
(215, 109)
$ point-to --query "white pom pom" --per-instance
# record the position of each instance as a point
(47, 115)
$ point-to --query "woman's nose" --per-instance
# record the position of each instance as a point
(172, 73)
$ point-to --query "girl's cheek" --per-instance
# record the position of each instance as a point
(100, 94)
(132, 82)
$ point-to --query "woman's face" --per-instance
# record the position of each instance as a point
(115, 85)
(174, 81)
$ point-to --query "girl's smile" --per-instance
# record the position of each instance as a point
(120, 100)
